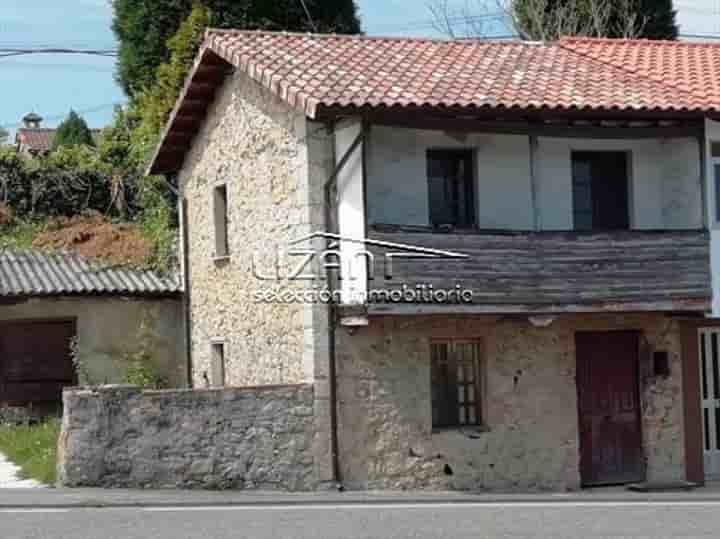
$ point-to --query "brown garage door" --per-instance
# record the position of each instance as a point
(35, 361)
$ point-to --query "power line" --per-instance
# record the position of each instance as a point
(54, 117)
(8, 52)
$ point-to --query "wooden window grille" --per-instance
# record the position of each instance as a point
(457, 384)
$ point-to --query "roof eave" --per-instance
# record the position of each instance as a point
(208, 70)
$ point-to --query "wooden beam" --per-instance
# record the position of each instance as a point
(211, 71)
(509, 114)
(187, 118)
(587, 130)
(180, 135)
(172, 149)
(194, 104)
(405, 309)
(201, 90)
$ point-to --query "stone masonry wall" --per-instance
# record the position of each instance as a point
(243, 438)
(531, 435)
(274, 163)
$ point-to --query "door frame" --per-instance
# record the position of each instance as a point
(638, 396)
(692, 406)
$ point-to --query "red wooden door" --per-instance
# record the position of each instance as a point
(609, 408)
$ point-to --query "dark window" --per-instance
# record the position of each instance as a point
(450, 187)
(600, 190)
(220, 215)
(217, 367)
(456, 384)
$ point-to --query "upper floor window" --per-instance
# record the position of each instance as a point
(220, 218)
(456, 378)
(450, 188)
(600, 190)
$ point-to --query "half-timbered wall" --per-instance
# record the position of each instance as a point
(664, 179)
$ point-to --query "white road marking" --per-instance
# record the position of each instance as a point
(448, 505)
(36, 510)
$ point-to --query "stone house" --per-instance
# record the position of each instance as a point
(66, 320)
(518, 241)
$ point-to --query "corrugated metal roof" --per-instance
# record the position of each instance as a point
(37, 273)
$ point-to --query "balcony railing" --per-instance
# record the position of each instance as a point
(553, 271)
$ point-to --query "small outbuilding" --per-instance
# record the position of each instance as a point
(67, 320)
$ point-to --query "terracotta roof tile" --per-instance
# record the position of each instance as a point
(336, 70)
(36, 139)
(40, 139)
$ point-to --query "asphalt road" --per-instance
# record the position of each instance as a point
(392, 520)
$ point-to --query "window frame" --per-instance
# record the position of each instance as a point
(576, 153)
(478, 384)
(470, 181)
(218, 362)
(221, 220)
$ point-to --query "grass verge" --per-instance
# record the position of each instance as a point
(33, 448)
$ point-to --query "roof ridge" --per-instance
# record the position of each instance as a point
(637, 41)
(364, 37)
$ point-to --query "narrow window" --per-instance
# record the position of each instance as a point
(217, 366)
(220, 214)
(456, 384)
(600, 191)
(450, 188)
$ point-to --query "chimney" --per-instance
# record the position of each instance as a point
(32, 120)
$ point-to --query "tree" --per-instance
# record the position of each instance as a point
(547, 20)
(659, 19)
(154, 104)
(67, 182)
(4, 135)
(143, 27)
(73, 131)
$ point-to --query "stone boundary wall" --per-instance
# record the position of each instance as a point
(230, 438)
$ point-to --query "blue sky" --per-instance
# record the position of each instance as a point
(52, 85)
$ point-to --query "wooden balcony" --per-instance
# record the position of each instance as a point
(551, 272)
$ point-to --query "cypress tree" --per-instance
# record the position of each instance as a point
(73, 131)
(659, 19)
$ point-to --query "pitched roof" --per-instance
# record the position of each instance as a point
(36, 139)
(40, 139)
(333, 73)
(316, 71)
(35, 273)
